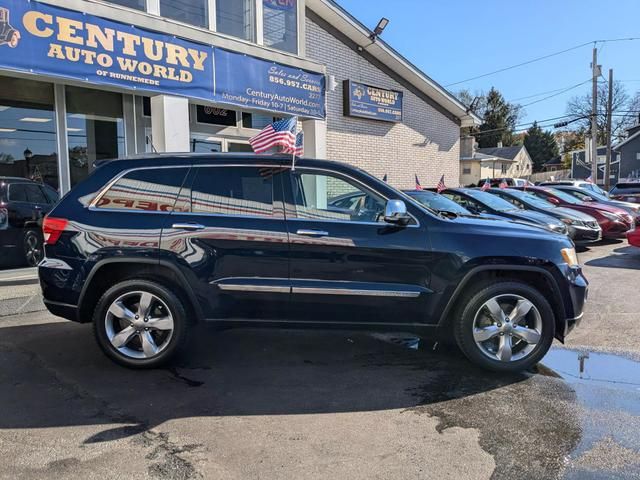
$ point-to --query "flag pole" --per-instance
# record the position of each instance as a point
(293, 152)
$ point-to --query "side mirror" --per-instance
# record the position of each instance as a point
(554, 200)
(395, 212)
(588, 199)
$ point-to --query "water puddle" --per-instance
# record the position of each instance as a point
(607, 391)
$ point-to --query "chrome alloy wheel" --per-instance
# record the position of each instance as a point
(507, 328)
(139, 325)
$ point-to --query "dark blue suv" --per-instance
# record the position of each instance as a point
(146, 248)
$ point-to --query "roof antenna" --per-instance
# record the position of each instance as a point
(149, 142)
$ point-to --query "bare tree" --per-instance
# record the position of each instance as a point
(625, 111)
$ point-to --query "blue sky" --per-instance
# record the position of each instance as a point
(454, 40)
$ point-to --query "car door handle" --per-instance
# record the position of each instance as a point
(191, 227)
(312, 233)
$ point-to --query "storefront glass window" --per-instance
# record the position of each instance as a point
(95, 129)
(28, 146)
(193, 12)
(203, 143)
(236, 18)
(280, 24)
(257, 120)
(137, 4)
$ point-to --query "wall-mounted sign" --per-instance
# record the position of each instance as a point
(62, 43)
(255, 83)
(375, 103)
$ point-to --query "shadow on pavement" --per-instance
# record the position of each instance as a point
(58, 377)
(623, 257)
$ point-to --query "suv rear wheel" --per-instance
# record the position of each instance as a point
(140, 324)
(506, 326)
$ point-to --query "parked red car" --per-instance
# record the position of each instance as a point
(633, 236)
(614, 221)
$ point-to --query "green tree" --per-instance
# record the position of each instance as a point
(499, 117)
(541, 146)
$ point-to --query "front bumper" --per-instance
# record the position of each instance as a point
(575, 296)
(582, 235)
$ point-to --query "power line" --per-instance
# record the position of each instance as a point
(544, 57)
(558, 93)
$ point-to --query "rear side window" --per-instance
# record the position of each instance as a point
(18, 192)
(35, 195)
(244, 191)
(50, 193)
(150, 190)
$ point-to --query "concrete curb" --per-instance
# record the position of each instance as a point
(20, 292)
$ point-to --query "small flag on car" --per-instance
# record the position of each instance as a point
(418, 186)
(486, 185)
(384, 179)
(277, 134)
(589, 179)
(298, 150)
(441, 186)
(503, 184)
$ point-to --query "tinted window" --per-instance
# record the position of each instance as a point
(490, 200)
(528, 198)
(439, 203)
(232, 191)
(18, 192)
(51, 194)
(35, 195)
(152, 190)
(319, 196)
(626, 188)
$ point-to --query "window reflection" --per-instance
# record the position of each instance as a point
(280, 24)
(137, 4)
(28, 146)
(193, 12)
(236, 18)
(95, 129)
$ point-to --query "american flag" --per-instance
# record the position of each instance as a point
(280, 133)
(441, 186)
(486, 185)
(418, 186)
(299, 147)
(503, 184)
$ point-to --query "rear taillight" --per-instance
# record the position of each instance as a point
(52, 228)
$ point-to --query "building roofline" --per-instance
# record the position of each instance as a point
(351, 27)
(626, 140)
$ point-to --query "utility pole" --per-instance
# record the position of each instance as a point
(607, 165)
(595, 70)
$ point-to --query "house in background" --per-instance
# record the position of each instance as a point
(522, 165)
(554, 164)
(628, 152)
(475, 165)
(581, 169)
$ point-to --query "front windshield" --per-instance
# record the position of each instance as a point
(564, 196)
(531, 199)
(490, 200)
(438, 202)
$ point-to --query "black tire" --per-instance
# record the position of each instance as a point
(473, 300)
(177, 340)
(32, 247)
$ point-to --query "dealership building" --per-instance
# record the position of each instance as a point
(86, 80)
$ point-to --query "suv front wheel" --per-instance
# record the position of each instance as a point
(506, 326)
(140, 324)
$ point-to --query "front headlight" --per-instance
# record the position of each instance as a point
(611, 216)
(571, 221)
(570, 256)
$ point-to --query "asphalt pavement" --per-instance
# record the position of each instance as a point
(249, 403)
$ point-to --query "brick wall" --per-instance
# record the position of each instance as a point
(427, 143)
